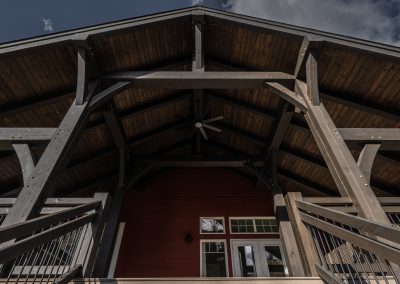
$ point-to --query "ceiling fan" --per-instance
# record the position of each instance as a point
(199, 125)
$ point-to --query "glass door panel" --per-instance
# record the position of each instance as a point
(273, 261)
(258, 258)
(246, 261)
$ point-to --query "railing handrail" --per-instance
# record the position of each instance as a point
(18, 248)
(382, 250)
(53, 201)
(368, 226)
(23, 229)
(347, 200)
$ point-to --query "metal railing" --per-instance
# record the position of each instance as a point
(346, 247)
(56, 246)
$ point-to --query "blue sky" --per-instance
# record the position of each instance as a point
(376, 20)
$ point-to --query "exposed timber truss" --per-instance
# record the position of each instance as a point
(297, 92)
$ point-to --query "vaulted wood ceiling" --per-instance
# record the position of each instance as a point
(359, 84)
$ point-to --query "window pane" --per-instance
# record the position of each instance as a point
(212, 225)
(274, 261)
(267, 225)
(250, 229)
(213, 261)
(260, 229)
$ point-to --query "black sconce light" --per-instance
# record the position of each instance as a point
(188, 238)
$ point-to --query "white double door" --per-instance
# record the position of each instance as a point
(258, 258)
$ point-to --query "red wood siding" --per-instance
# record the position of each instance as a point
(158, 219)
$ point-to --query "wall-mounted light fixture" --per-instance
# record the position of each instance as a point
(188, 238)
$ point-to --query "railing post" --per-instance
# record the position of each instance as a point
(301, 234)
(90, 240)
(290, 248)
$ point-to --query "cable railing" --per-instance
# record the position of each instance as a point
(2, 217)
(55, 247)
(347, 248)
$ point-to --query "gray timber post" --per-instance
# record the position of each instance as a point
(349, 178)
(198, 66)
(295, 263)
(347, 175)
(301, 235)
(112, 223)
(90, 241)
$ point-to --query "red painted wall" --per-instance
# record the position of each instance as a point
(158, 219)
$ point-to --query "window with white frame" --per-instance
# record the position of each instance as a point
(253, 225)
(213, 258)
(212, 225)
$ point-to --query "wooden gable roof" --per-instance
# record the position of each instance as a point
(358, 83)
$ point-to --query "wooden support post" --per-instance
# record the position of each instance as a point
(287, 236)
(312, 77)
(82, 77)
(110, 231)
(198, 66)
(90, 241)
(348, 177)
(301, 235)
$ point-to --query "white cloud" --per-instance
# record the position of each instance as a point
(48, 25)
(197, 2)
(367, 19)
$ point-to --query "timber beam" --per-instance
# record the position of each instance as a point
(288, 95)
(26, 134)
(389, 138)
(199, 80)
(213, 162)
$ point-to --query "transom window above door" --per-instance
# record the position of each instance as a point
(212, 225)
(253, 225)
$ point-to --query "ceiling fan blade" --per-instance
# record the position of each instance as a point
(214, 119)
(192, 134)
(211, 128)
(203, 133)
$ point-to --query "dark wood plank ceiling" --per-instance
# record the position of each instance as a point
(37, 85)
